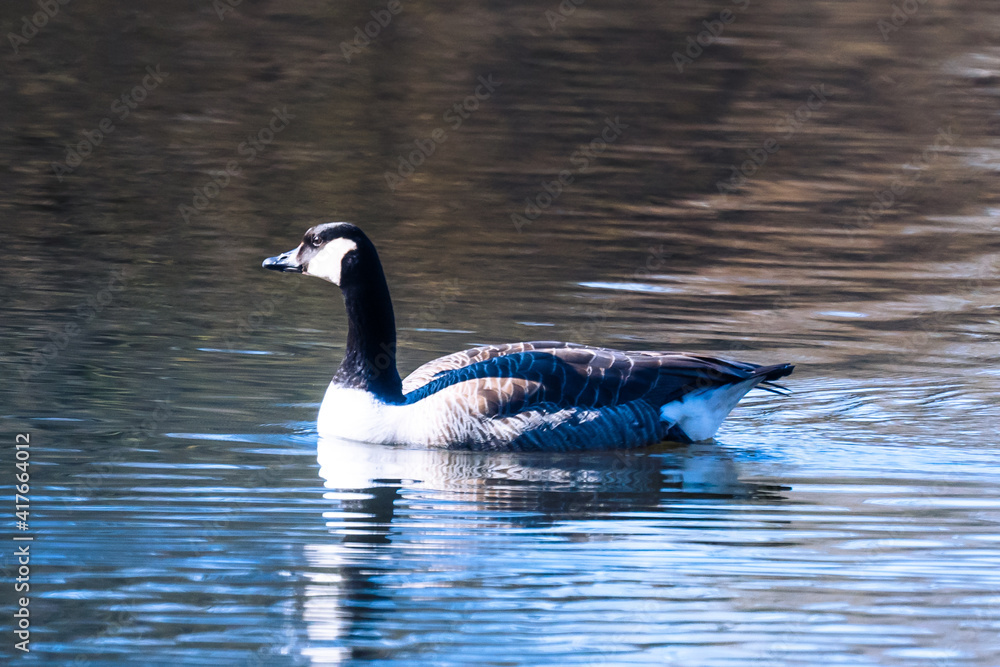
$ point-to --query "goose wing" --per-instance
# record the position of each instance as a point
(501, 381)
(437, 367)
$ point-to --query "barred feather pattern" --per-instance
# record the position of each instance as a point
(555, 396)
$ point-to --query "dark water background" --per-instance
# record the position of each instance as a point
(170, 386)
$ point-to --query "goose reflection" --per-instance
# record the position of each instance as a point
(543, 481)
(401, 514)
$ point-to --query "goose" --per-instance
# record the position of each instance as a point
(539, 395)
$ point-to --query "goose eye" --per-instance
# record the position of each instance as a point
(316, 241)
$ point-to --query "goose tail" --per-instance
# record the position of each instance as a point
(698, 414)
(772, 373)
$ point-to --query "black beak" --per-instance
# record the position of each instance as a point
(284, 262)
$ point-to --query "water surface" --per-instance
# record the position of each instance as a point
(184, 510)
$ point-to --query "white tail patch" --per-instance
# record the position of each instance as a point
(700, 413)
(327, 262)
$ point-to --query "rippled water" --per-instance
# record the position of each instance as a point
(182, 509)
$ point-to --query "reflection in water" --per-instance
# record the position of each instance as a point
(494, 494)
(538, 482)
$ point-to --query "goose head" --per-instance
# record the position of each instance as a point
(334, 251)
(341, 253)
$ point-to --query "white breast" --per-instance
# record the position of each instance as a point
(356, 415)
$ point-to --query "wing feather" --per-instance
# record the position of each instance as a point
(502, 380)
(427, 372)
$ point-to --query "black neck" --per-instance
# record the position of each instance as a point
(370, 359)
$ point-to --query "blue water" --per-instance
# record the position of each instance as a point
(808, 534)
(182, 508)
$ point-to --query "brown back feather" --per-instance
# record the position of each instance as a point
(506, 379)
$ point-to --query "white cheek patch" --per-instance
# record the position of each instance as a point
(327, 262)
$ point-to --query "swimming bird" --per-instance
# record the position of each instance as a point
(540, 395)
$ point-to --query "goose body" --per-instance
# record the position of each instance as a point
(541, 395)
